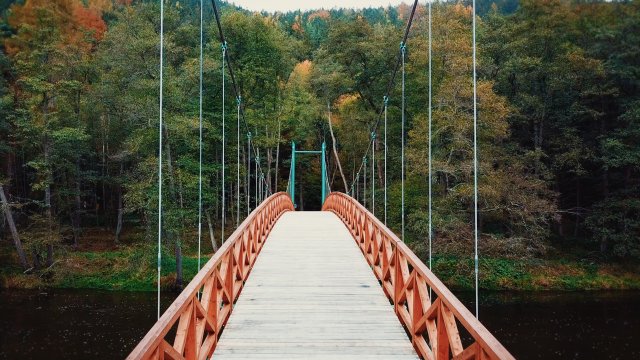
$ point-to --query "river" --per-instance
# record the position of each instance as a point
(68, 324)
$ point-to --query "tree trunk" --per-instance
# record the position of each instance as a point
(47, 203)
(172, 190)
(47, 191)
(577, 224)
(36, 260)
(178, 266)
(75, 219)
(120, 208)
(12, 228)
(214, 245)
(335, 151)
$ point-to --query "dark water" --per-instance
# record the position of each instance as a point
(563, 325)
(107, 325)
(69, 324)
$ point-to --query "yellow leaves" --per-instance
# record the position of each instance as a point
(303, 69)
(346, 100)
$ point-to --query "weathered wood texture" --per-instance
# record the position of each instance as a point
(427, 309)
(191, 326)
(311, 295)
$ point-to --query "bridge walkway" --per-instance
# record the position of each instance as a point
(312, 295)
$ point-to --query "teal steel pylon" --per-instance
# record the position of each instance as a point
(323, 165)
(324, 173)
(292, 180)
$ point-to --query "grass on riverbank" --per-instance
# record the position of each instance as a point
(536, 274)
(133, 268)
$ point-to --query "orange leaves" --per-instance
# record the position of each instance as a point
(71, 20)
(90, 19)
(322, 14)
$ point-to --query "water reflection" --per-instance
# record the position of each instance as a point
(65, 324)
(563, 325)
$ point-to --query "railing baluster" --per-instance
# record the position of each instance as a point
(432, 324)
(220, 280)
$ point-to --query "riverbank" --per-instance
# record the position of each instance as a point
(133, 268)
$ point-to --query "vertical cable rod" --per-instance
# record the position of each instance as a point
(429, 157)
(160, 150)
(475, 156)
(364, 182)
(248, 173)
(373, 173)
(403, 49)
(238, 100)
(386, 104)
(224, 217)
(200, 142)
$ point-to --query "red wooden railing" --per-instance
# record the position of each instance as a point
(194, 323)
(432, 324)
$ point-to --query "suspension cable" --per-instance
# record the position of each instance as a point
(357, 186)
(160, 150)
(200, 141)
(248, 173)
(364, 182)
(403, 49)
(229, 62)
(429, 157)
(238, 100)
(386, 103)
(224, 215)
(475, 156)
(395, 71)
(373, 177)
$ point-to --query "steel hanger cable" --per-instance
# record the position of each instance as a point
(160, 150)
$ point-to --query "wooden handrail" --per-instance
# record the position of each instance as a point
(409, 284)
(201, 319)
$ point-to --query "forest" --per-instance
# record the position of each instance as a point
(558, 112)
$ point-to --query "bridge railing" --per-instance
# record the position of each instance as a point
(193, 322)
(424, 305)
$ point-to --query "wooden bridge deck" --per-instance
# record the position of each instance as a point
(312, 295)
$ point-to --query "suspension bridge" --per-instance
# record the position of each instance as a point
(330, 284)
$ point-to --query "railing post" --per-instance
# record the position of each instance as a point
(324, 173)
(292, 181)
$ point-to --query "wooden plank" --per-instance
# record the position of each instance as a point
(312, 295)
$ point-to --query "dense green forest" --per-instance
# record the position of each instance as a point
(559, 113)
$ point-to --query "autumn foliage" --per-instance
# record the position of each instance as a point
(76, 23)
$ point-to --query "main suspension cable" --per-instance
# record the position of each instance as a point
(236, 89)
(393, 75)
